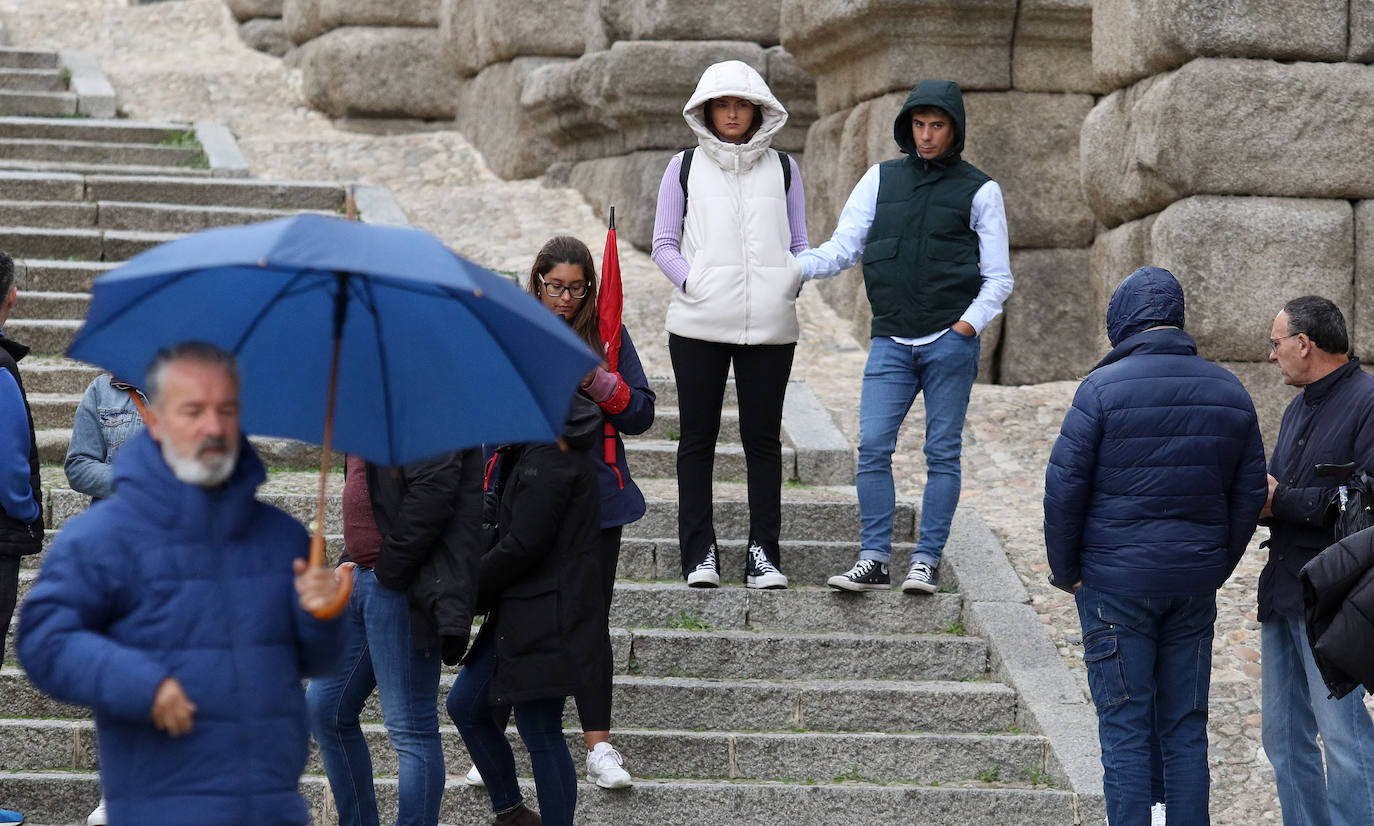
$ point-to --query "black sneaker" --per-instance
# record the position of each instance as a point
(707, 574)
(920, 579)
(866, 575)
(761, 573)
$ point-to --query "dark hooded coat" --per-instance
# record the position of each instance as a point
(541, 582)
(1157, 478)
(1338, 590)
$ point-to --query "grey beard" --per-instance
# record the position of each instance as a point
(196, 471)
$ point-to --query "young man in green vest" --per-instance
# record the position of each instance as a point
(932, 232)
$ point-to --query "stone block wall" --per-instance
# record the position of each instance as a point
(261, 25)
(1232, 150)
(1029, 83)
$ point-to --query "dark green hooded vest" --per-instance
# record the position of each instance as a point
(921, 258)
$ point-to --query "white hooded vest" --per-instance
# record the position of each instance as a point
(743, 283)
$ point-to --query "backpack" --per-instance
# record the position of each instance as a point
(687, 167)
(1352, 508)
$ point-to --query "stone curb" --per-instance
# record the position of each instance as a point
(221, 150)
(377, 205)
(824, 456)
(95, 97)
(996, 606)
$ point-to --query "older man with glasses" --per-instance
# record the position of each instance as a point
(1330, 422)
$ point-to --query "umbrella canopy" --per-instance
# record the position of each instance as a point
(436, 353)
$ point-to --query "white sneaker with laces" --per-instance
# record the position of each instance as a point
(707, 574)
(759, 572)
(1157, 815)
(920, 580)
(98, 817)
(474, 778)
(606, 768)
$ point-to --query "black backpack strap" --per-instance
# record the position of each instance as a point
(786, 171)
(682, 177)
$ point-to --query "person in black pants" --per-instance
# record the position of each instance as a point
(725, 233)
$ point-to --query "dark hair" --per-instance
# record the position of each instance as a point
(564, 249)
(200, 351)
(6, 274)
(1320, 320)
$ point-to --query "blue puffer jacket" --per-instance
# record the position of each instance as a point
(170, 579)
(1158, 476)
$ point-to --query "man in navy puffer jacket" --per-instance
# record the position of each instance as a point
(1151, 496)
(175, 609)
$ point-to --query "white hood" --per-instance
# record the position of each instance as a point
(734, 78)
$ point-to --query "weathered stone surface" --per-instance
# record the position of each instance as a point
(1238, 259)
(1361, 321)
(339, 13)
(478, 33)
(303, 20)
(627, 182)
(507, 135)
(1270, 395)
(859, 50)
(751, 20)
(266, 34)
(377, 71)
(248, 9)
(1052, 50)
(1361, 31)
(630, 97)
(1133, 39)
(1049, 334)
(1212, 128)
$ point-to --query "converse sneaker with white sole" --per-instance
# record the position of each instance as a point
(866, 575)
(99, 817)
(474, 778)
(606, 768)
(920, 579)
(707, 574)
(759, 572)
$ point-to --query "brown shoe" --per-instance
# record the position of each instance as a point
(519, 816)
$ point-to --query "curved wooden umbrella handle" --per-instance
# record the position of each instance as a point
(345, 578)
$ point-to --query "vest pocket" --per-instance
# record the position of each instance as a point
(952, 251)
(881, 249)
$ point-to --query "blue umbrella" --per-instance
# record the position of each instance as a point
(424, 351)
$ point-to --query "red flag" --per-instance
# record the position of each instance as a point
(610, 306)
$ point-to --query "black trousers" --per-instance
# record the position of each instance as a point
(594, 703)
(761, 373)
(9, 595)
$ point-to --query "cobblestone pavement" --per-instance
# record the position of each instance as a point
(183, 60)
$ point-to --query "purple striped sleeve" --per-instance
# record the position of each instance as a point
(796, 209)
(667, 253)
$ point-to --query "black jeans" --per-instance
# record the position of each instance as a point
(761, 373)
(9, 595)
(594, 702)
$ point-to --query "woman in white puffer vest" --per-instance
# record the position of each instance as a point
(725, 234)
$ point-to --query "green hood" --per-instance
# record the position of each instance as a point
(944, 94)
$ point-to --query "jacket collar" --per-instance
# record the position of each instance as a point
(1316, 392)
(16, 350)
(1156, 341)
(147, 484)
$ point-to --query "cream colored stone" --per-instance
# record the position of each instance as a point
(1052, 47)
(365, 70)
(505, 133)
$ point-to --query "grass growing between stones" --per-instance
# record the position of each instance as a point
(687, 621)
(185, 138)
(992, 774)
(1038, 778)
(956, 628)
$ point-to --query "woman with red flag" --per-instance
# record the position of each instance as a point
(725, 233)
(564, 279)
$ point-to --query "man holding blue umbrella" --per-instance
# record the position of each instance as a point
(179, 610)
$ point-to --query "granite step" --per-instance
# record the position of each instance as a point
(32, 80)
(92, 152)
(52, 275)
(40, 104)
(19, 185)
(52, 306)
(79, 244)
(217, 192)
(128, 215)
(14, 58)
(105, 169)
(94, 129)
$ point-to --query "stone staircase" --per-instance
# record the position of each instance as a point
(805, 706)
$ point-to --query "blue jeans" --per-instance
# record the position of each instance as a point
(1149, 665)
(1296, 709)
(540, 723)
(944, 370)
(380, 653)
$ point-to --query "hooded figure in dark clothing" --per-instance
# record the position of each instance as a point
(932, 232)
(1151, 496)
(540, 586)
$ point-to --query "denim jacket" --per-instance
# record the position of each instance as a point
(106, 419)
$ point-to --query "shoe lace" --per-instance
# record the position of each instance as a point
(709, 563)
(761, 561)
(608, 754)
(920, 570)
(862, 568)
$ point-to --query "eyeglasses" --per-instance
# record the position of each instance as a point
(578, 292)
(1274, 342)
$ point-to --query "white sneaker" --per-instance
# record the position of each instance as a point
(474, 778)
(1157, 815)
(606, 768)
(707, 574)
(759, 572)
(98, 817)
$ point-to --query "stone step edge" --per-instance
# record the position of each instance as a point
(95, 96)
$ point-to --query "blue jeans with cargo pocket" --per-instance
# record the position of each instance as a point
(1149, 665)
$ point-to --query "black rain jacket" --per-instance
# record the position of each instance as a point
(1338, 590)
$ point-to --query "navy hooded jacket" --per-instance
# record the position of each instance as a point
(1158, 476)
(167, 579)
